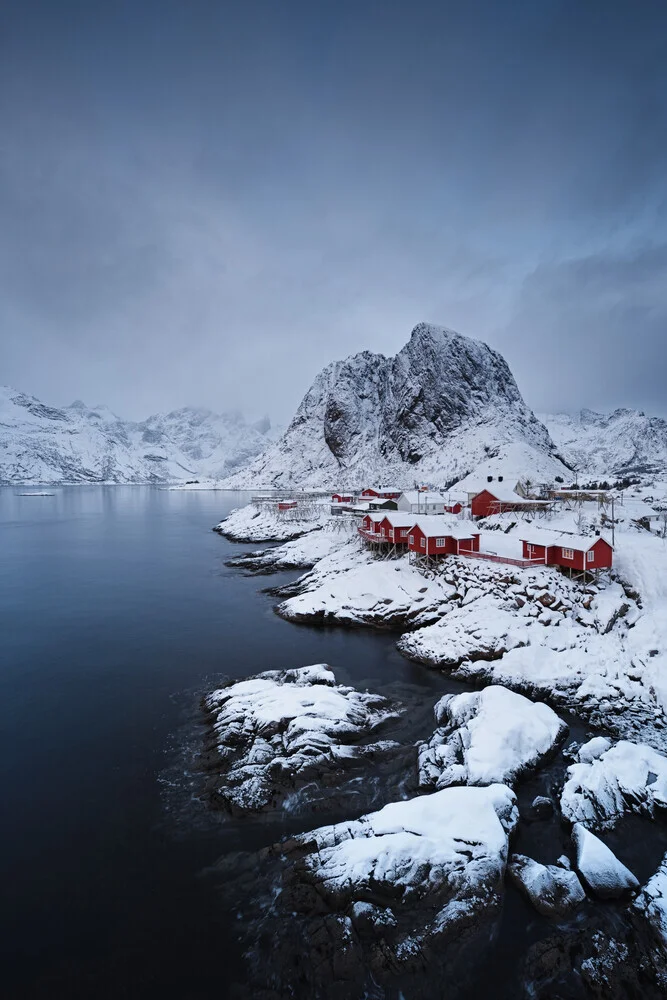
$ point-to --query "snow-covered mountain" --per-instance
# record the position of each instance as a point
(622, 443)
(75, 444)
(446, 406)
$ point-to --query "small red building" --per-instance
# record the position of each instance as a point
(341, 498)
(573, 552)
(453, 508)
(499, 501)
(428, 538)
(385, 493)
(287, 504)
(396, 526)
(371, 521)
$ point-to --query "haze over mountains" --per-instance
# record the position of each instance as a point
(625, 442)
(82, 444)
(444, 409)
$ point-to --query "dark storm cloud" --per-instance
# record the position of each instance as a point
(207, 202)
(595, 329)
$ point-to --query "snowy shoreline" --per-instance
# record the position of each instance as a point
(527, 641)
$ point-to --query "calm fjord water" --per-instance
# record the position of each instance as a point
(116, 612)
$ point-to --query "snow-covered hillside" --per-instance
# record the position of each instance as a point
(75, 444)
(442, 407)
(622, 443)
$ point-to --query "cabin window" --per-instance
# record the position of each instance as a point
(422, 542)
(403, 532)
(411, 539)
(440, 543)
(567, 553)
(391, 532)
(531, 549)
(590, 555)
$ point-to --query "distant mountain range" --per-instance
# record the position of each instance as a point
(445, 409)
(82, 444)
(622, 443)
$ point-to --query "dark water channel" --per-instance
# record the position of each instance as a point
(116, 614)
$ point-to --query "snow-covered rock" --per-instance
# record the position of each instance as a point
(431, 868)
(263, 522)
(652, 902)
(622, 443)
(487, 736)
(483, 631)
(606, 783)
(603, 873)
(554, 891)
(299, 553)
(444, 406)
(349, 587)
(78, 443)
(453, 842)
(274, 732)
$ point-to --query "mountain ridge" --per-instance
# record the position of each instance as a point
(623, 442)
(81, 444)
(443, 406)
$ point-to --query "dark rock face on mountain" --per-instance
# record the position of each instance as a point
(444, 405)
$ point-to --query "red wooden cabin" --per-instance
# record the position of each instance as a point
(397, 526)
(487, 502)
(570, 552)
(385, 494)
(441, 540)
(341, 498)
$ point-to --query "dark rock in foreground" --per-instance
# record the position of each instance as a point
(280, 730)
(400, 895)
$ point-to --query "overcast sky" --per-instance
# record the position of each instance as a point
(204, 202)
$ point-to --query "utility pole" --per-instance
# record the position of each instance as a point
(613, 523)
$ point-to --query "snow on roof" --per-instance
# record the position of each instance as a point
(505, 494)
(500, 491)
(382, 489)
(442, 526)
(422, 496)
(542, 536)
(398, 518)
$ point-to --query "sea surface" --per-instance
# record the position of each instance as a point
(116, 614)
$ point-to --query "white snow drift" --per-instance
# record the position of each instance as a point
(487, 736)
(609, 780)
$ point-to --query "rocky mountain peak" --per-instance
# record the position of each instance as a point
(438, 408)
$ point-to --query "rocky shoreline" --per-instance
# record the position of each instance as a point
(358, 908)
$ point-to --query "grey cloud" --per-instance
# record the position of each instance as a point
(592, 332)
(205, 204)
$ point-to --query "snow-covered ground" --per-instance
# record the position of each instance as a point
(599, 649)
(263, 522)
(350, 587)
(299, 553)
